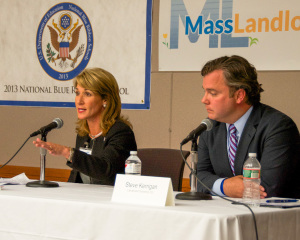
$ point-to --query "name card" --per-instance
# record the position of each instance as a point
(143, 190)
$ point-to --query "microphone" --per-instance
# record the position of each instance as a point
(206, 124)
(56, 123)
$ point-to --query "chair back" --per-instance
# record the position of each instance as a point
(163, 162)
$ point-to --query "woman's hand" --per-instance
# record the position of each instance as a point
(53, 148)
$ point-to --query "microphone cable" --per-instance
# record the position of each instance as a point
(210, 190)
(56, 123)
(15, 153)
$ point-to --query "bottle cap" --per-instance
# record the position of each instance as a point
(133, 152)
(252, 154)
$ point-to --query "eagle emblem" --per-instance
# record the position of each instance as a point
(64, 40)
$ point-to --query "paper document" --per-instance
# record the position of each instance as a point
(19, 179)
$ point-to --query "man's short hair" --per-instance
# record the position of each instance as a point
(238, 74)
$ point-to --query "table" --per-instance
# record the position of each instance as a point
(78, 211)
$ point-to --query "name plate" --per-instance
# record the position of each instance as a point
(143, 190)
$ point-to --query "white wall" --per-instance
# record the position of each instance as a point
(176, 109)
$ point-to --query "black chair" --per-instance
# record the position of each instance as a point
(163, 162)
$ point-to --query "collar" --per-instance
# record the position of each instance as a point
(241, 122)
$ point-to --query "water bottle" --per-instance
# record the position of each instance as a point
(251, 179)
(133, 164)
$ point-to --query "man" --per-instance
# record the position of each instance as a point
(232, 101)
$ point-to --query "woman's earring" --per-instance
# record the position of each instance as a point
(104, 105)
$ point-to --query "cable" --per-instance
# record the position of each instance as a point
(15, 153)
(210, 190)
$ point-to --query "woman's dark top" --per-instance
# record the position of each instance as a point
(108, 155)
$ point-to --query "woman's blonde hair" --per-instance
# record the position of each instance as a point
(103, 83)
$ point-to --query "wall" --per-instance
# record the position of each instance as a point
(176, 109)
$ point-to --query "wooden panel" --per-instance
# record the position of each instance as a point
(186, 185)
(54, 174)
(51, 174)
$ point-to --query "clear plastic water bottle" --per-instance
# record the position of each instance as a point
(133, 164)
(251, 178)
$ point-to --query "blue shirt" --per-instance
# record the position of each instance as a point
(239, 124)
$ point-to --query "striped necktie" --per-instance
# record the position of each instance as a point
(232, 146)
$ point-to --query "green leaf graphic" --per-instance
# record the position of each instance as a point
(253, 41)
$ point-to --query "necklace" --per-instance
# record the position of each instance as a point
(95, 136)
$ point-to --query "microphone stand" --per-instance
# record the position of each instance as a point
(42, 182)
(193, 194)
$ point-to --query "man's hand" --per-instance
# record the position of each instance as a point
(234, 187)
(263, 193)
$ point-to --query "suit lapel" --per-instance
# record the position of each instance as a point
(246, 138)
(221, 148)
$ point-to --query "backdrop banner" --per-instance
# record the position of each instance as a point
(192, 32)
(45, 44)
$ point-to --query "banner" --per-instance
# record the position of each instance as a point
(192, 32)
(45, 44)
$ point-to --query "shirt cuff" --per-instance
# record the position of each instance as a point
(218, 187)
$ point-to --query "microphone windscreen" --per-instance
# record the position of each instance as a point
(59, 122)
(208, 124)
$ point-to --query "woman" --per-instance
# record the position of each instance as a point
(104, 137)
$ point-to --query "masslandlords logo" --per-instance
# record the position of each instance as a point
(64, 41)
(218, 22)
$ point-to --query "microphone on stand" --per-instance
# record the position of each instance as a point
(56, 123)
(206, 125)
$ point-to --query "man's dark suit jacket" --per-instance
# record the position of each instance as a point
(270, 134)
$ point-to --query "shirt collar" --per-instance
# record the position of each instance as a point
(240, 124)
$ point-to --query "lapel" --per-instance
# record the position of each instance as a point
(246, 138)
(220, 148)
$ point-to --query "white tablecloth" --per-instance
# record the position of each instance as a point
(77, 211)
